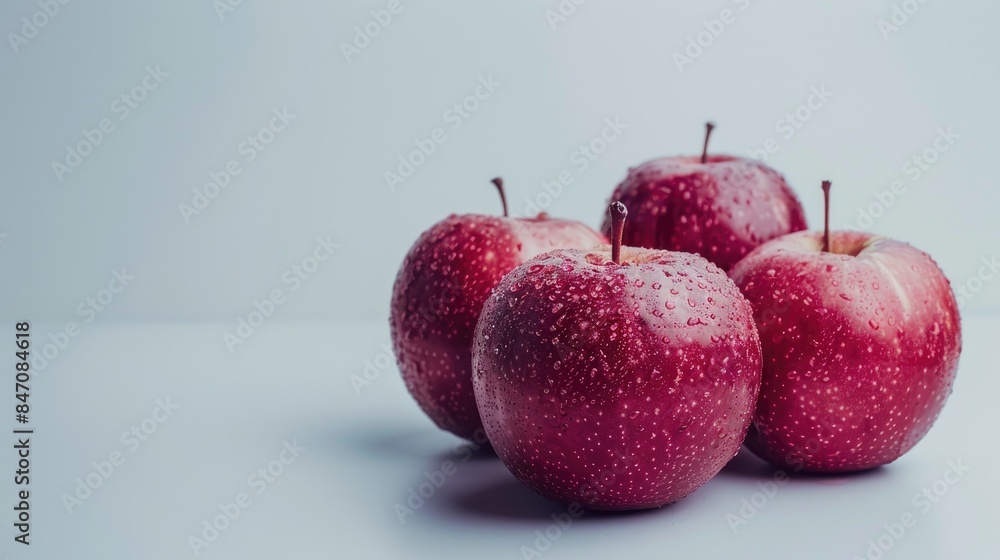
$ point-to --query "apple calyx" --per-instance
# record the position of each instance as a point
(826, 216)
(503, 196)
(618, 213)
(709, 127)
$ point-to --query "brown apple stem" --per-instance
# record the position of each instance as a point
(503, 196)
(618, 214)
(826, 216)
(708, 132)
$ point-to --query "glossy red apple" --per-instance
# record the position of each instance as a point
(439, 293)
(717, 206)
(618, 378)
(861, 339)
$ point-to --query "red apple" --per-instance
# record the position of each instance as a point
(719, 207)
(861, 339)
(617, 379)
(439, 293)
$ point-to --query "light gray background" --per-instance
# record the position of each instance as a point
(296, 376)
(323, 175)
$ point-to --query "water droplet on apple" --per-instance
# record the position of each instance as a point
(873, 324)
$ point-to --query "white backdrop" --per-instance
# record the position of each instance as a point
(195, 161)
(199, 78)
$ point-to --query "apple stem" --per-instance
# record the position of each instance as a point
(503, 196)
(618, 214)
(709, 126)
(826, 216)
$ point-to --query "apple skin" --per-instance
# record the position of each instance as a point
(438, 295)
(616, 386)
(720, 209)
(861, 346)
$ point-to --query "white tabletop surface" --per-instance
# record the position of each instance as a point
(364, 452)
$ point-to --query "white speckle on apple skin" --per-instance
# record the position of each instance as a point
(439, 292)
(861, 346)
(616, 386)
(720, 210)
